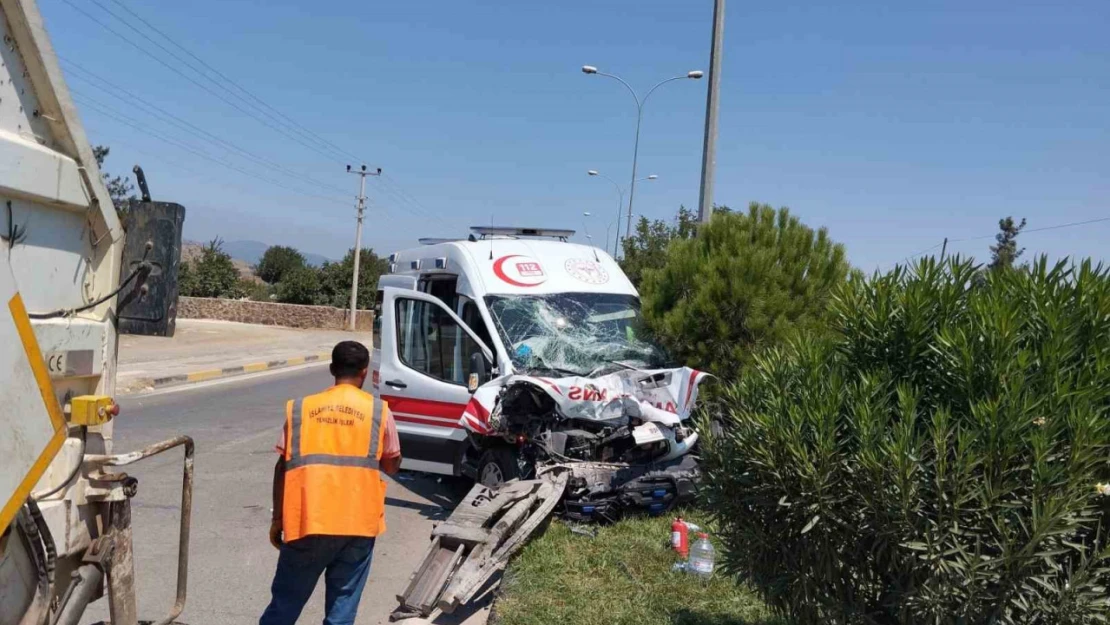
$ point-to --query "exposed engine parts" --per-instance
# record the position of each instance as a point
(621, 452)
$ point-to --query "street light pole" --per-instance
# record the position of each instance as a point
(358, 237)
(709, 149)
(620, 207)
(589, 69)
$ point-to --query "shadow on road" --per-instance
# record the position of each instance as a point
(429, 511)
(444, 491)
(440, 494)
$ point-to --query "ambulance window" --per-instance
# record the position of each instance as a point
(430, 342)
(441, 286)
(471, 317)
(377, 331)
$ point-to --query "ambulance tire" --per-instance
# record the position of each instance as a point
(499, 465)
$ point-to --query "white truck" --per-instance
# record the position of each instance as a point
(74, 274)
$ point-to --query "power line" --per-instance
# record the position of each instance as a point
(1076, 223)
(1030, 230)
(399, 193)
(121, 118)
(394, 189)
(260, 101)
(400, 201)
(176, 166)
(928, 249)
(176, 57)
(207, 89)
(405, 194)
(107, 86)
(190, 127)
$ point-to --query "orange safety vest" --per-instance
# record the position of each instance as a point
(333, 444)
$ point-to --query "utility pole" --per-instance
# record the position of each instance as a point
(362, 174)
(709, 149)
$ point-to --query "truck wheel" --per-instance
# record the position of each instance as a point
(498, 466)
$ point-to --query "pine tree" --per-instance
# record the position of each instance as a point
(1006, 252)
(647, 248)
(744, 281)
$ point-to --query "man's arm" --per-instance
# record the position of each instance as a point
(279, 487)
(391, 452)
(391, 465)
(278, 499)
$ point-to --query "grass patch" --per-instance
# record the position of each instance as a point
(621, 577)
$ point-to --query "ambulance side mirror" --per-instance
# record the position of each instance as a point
(479, 372)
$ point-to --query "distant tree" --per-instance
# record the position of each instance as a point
(647, 248)
(254, 290)
(335, 279)
(1005, 252)
(277, 261)
(120, 188)
(212, 275)
(186, 279)
(299, 285)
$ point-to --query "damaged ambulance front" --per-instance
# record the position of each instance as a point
(587, 392)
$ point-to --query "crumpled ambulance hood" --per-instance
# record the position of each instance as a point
(665, 396)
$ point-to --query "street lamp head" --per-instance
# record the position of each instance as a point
(696, 74)
(589, 69)
(364, 168)
(348, 168)
(586, 214)
(592, 172)
(652, 177)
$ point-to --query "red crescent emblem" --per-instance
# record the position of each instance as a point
(499, 271)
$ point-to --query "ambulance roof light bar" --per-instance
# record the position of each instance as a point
(514, 232)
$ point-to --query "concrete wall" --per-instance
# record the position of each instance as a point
(265, 313)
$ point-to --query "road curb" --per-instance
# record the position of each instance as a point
(205, 375)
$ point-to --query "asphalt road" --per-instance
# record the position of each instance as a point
(235, 426)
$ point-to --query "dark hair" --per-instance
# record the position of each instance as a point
(348, 359)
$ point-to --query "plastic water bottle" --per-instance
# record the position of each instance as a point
(702, 557)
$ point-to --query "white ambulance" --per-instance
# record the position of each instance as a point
(461, 324)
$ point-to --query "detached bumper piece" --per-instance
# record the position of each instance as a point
(485, 530)
(489, 525)
(607, 492)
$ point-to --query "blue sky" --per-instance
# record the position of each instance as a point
(893, 126)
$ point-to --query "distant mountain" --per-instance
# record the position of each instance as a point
(251, 252)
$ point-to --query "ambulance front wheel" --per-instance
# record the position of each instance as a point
(499, 465)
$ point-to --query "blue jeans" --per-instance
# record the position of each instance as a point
(346, 560)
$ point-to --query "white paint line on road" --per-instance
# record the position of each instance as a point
(272, 433)
(221, 381)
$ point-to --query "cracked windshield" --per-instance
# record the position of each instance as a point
(584, 334)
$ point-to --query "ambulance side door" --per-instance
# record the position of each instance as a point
(427, 357)
(405, 282)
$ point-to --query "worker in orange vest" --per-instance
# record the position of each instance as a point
(329, 492)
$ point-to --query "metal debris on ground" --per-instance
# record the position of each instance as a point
(582, 530)
(476, 542)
